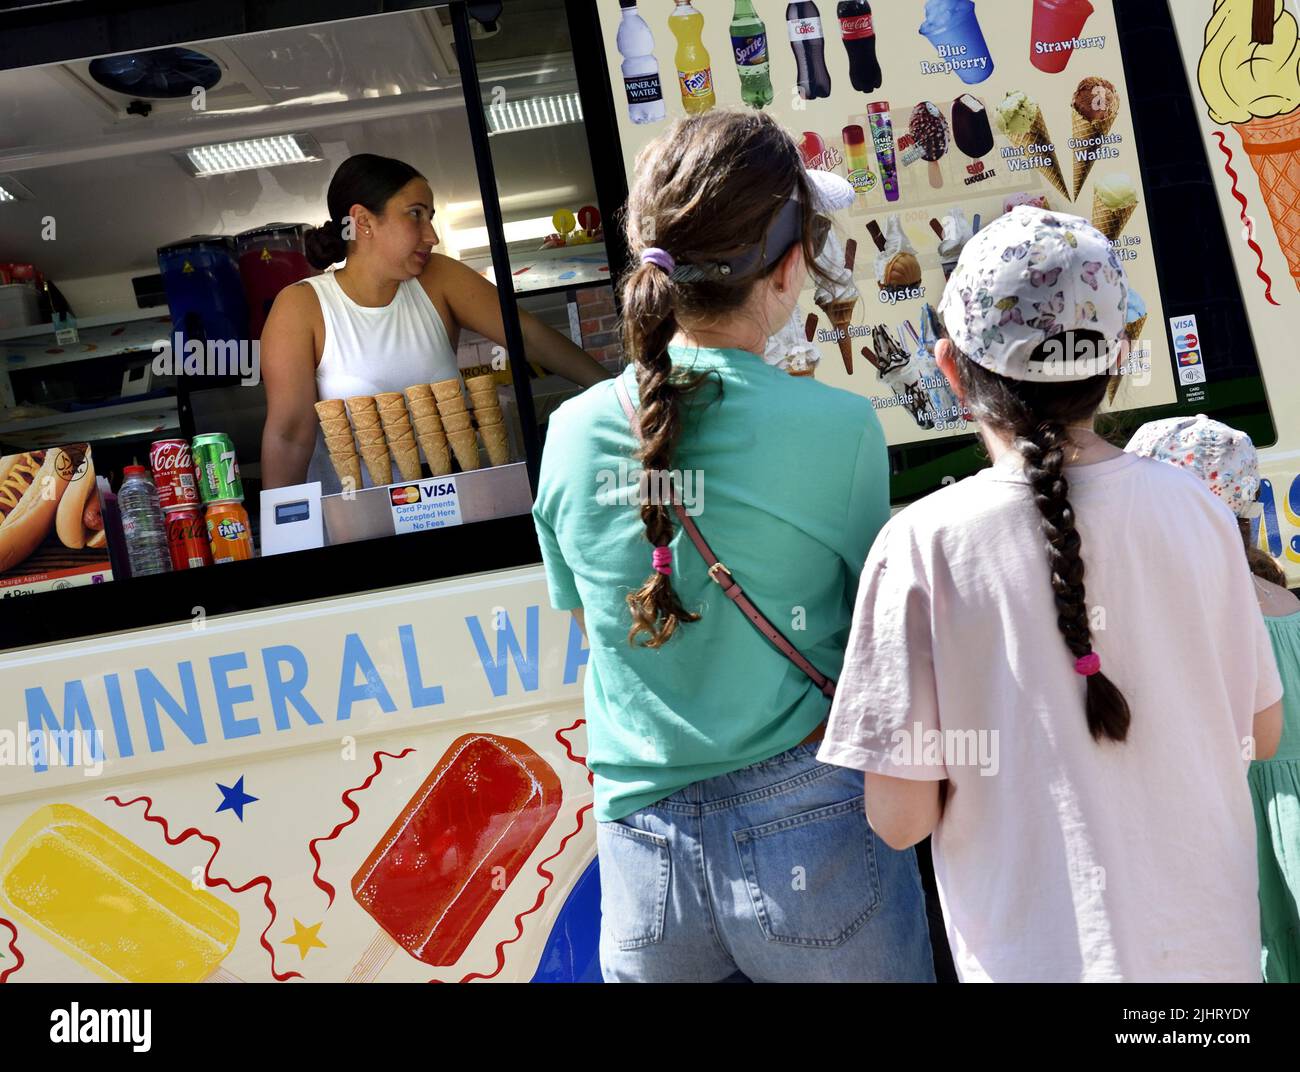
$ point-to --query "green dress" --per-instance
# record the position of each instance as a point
(1275, 788)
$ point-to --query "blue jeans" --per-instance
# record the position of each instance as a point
(767, 874)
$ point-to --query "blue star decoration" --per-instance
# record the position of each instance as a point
(234, 798)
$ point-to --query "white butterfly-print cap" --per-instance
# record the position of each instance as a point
(1030, 276)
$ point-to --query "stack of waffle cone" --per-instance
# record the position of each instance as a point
(1110, 221)
(338, 440)
(456, 423)
(1273, 145)
(487, 415)
(370, 438)
(428, 428)
(398, 432)
(1037, 135)
(1086, 129)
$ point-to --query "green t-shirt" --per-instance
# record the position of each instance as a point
(788, 480)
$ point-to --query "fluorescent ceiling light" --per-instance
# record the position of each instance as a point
(13, 190)
(534, 112)
(520, 231)
(250, 154)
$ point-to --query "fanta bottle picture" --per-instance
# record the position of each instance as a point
(694, 74)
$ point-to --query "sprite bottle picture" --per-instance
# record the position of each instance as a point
(749, 43)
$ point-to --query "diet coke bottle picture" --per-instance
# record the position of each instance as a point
(804, 25)
(859, 35)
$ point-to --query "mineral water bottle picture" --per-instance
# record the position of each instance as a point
(749, 43)
(636, 44)
(694, 75)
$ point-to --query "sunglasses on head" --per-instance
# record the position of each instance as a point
(783, 233)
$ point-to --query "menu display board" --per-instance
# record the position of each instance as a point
(943, 115)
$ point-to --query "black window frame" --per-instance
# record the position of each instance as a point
(33, 35)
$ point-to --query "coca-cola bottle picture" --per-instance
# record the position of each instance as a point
(804, 25)
(859, 35)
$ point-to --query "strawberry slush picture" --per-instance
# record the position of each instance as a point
(1249, 78)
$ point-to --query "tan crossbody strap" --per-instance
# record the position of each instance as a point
(721, 575)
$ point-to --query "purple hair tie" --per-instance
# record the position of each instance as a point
(1087, 665)
(663, 560)
(660, 257)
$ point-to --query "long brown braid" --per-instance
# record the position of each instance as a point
(1036, 414)
(707, 188)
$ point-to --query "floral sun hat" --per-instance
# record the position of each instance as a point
(1223, 458)
(1026, 277)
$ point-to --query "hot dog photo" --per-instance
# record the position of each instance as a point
(51, 521)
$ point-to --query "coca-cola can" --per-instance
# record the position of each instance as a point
(187, 538)
(173, 473)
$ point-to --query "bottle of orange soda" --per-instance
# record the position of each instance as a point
(694, 75)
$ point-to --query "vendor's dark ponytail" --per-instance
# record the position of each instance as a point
(325, 245)
(364, 179)
(706, 188)
(1036, 414)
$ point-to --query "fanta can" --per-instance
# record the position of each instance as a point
(694, 75)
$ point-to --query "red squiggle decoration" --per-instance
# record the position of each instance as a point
(541, 867)
(356, 812)
(1250, 229)
(215, 880)
(13, 948)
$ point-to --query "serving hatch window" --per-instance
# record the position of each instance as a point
(233, 366)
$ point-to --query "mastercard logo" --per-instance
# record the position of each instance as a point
(405, 496)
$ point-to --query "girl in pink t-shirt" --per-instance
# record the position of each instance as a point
(1079, 754)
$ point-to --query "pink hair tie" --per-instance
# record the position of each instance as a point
(663, 560)
(1087, 665)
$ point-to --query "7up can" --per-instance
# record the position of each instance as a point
(215, 469)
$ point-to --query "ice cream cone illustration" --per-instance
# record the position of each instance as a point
(1021, 120)
(1273, 146)
(1093, 111)
(836, 295)
(1249, 78)
(1114, 200)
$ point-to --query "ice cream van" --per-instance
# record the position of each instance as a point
(359, 753)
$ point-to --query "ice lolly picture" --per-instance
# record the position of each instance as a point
(452, 852)
(860, 174)
(111, 906)
(971, 131)
(882, 140)
(930, 129)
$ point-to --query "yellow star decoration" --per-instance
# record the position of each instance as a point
(304, 938)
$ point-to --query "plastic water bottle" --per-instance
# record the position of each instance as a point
(142, 524)
(636, 44)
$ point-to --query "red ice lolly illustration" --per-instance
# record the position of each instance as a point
(448, 858)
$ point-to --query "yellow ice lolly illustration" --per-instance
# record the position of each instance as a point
(110, 905)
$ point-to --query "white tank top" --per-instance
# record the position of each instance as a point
(368, 351)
